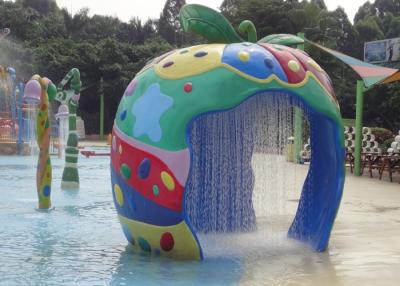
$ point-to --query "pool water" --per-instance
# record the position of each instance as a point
(80, 242)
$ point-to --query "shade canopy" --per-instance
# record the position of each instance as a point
(370, 74)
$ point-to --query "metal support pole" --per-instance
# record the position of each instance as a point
(359, 125)
(101, 110)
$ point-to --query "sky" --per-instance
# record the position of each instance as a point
(144, 9)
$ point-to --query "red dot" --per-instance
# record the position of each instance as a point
(188, 87)
(167, 241)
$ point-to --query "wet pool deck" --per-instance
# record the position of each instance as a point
(365, 243)
(364, 247)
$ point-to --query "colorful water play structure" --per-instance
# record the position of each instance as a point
(41, 92)
(158, 161)
(38, 91)
(70, 98)
(14, 115)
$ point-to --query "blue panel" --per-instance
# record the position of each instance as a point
(322, 191)
(257, 62)
(137, 207)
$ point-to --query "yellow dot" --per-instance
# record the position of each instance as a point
(118, 195)
(120, 149)
(315, 65)
(244, 56)
(294, 66)
(168, 181)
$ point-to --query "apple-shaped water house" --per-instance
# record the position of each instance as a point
(160, 137)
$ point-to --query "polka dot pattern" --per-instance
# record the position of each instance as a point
(156, 190)
(168, 64)
(47, 191)
(244, 56)
(168, 181)
(294, 66)
(147, 175)
(144, 245)
(167, 241)
(123, 115)
(200, 54)
(118, 195)
(144, 169)
(251, 60)
(188, 87)
(126, 171)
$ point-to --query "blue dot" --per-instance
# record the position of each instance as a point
(144, 169)
(200, 54)
(144, 245)
(269, 63)
(47, 191)
(123, 115)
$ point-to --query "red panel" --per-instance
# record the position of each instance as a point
(133, 157)
(321, 75)
(284, 57)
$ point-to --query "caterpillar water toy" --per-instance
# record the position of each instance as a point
(151, 156)
(37, 91)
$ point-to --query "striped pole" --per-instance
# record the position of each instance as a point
(70, 177)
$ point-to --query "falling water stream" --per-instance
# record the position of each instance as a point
(62, 135)
(242, 180)
(30, 122)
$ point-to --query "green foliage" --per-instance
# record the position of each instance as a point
(48, 40)
(169, 25)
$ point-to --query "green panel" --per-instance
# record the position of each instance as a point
(208, 23)
(282, 39)
(211, 93)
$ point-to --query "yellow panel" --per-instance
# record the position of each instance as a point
(184, 62)
(185, 245)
